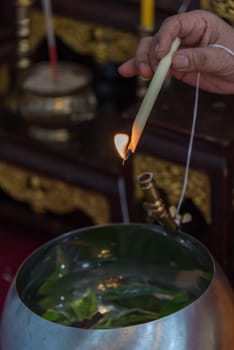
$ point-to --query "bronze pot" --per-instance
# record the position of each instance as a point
(53, 109)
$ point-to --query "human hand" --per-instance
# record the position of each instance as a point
(197, 30)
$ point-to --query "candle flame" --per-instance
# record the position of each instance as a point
(121, 142)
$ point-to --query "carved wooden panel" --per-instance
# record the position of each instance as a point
(223, 8)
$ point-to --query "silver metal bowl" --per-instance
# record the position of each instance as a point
(139, 250)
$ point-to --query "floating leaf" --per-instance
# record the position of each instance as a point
(86, 306)
(62, 266)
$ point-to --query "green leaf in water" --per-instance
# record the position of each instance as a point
(61, 267)
(125, 317)
(86, 306)
(179, 301)
(137, 290)
(58, 316)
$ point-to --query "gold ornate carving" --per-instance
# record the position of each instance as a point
(169, 177)
(47, 194)
(223, 8)
(4, 79)
(86, 38)
(22, 34)
(37, 29)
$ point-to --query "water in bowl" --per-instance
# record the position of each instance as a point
(86, 283)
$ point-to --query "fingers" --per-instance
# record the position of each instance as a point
(140, 64)
(129, 68)
(142, 57)
(209, 60)
(190, 27)
(197, 30)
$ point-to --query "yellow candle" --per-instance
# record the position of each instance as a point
(147, 14)
(151, 95)
(24, 2)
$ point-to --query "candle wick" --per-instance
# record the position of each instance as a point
(127, 155)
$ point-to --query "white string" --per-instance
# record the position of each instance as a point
(223, 47)
(185, 184)
(188, 160)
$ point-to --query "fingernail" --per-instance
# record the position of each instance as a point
(157, 47)
(143, 66)
(181, 61)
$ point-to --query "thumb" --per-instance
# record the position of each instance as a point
(201, 60)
